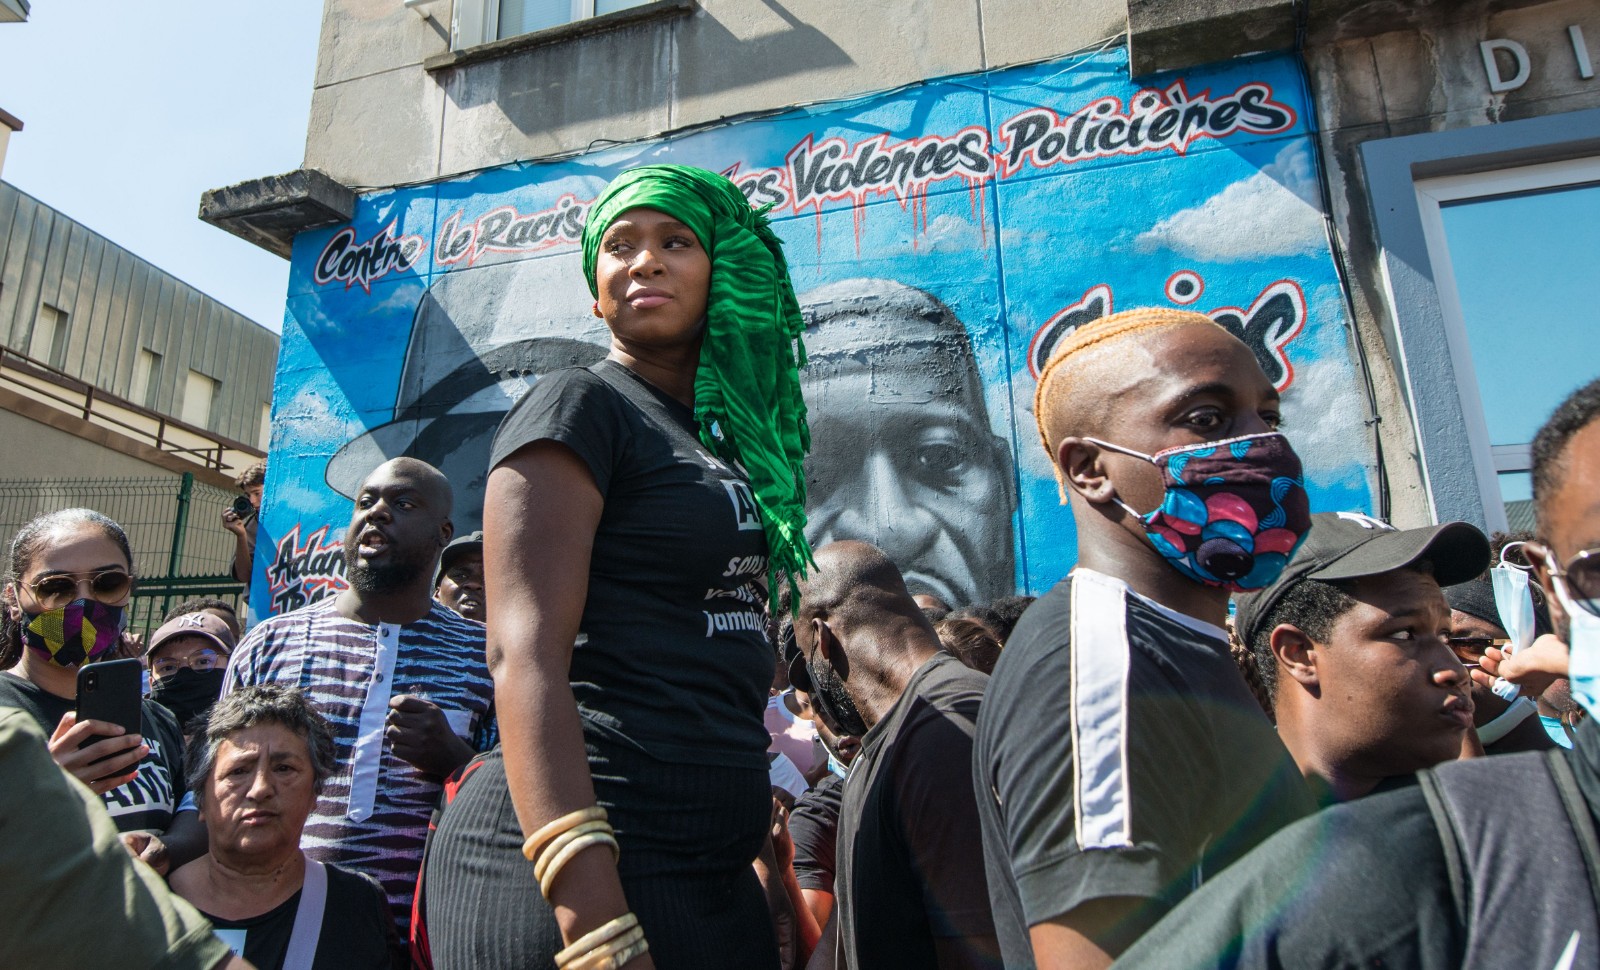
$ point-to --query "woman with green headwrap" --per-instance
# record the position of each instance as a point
(636, 514)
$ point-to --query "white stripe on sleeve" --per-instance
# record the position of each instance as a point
(1099, 702)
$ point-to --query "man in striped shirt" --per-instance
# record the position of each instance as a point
(1120, 759)
(402, 679)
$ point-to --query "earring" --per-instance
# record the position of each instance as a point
(595, 309)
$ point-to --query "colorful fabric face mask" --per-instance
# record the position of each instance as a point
(82, 631)
(1234, 510)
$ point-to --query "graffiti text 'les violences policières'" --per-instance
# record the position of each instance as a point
(815, 173)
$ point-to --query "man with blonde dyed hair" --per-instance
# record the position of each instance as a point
(1120, 759)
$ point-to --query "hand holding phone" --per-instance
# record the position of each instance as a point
(100, 742)
(102, 765)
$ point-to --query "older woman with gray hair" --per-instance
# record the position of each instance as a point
(256, 771)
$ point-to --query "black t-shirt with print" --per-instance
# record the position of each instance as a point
(813, 825)
(910, 855)
(672, 656)
(148, 802)
(357, 930)
(1119, 754)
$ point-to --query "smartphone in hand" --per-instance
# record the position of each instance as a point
(110, 691)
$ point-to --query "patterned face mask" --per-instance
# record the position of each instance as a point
(1234, 510)
(82, 631)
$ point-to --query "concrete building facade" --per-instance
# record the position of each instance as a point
(1297, 171)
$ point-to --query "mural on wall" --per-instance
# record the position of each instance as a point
(943, 239)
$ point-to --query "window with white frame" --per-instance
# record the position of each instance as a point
(1515, 255)
(481, 21)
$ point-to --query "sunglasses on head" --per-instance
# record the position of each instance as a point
(107, 586)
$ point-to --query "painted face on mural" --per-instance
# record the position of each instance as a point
(654, 278)
(902, 455)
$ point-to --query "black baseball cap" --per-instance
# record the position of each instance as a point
(1349, 545)
(471, 542)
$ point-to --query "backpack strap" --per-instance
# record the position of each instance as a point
(1449, 839)
(1577, 813)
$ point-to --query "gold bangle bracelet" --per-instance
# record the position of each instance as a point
(594, 938)
(563, 840)
(620, 958)
(571, 851)
(613, 954)
(536, 841)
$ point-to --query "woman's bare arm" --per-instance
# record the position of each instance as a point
(540, 514)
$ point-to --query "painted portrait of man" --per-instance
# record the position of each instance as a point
(903, 455)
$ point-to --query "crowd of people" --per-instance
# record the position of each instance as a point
(638, 721)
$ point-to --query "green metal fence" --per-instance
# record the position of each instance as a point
(174, 525)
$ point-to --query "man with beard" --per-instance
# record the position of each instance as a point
(909, 853)
(400, 677)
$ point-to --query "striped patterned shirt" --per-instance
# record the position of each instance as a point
(373, 813)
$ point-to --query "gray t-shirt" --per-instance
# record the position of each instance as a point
(672, 656)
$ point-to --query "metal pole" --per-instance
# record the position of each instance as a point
(179, 527)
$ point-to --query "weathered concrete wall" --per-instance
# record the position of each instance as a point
(378, 118)
(1378, 72)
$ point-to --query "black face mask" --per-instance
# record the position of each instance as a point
(188, 694)
(830, 698)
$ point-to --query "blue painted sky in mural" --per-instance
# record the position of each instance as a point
(977, 216)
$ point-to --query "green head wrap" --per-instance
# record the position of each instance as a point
(747, 390)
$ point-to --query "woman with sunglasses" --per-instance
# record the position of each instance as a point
(67, 591)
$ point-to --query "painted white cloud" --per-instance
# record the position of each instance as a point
(1272, 213)
(948, 233)
(1323, 414)
(308, 418)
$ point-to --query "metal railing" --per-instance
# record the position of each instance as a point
(64, 392)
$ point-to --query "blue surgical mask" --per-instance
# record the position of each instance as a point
(837, 767)
(1583, 646)
(1556, 730)
(1513, 600)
